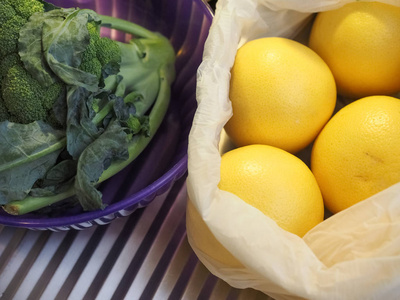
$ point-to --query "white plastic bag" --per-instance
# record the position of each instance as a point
(354, 254)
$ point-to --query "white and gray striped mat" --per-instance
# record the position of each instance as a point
(143, 256)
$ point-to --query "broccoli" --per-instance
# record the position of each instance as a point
(111, 52)
(23, 99)
(22, 96)
(89, 103)
(9, 33)
(7, 12)
(7, 62)
(25, 8)
(13, 16)
(100, 52)
(4, 114)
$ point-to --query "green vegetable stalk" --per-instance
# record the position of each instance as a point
(75, 107)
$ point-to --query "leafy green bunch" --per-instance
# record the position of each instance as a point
(75, 107)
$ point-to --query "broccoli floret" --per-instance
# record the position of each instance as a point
(25, 99)
(4, 114)
(19, 93)
(13, 16)
(9, 34)
(25, 8)
(110, 53)
(91, 65)
(7, 62)
(93, 30)
(90, 62)
(7, 12)
(22, 98)
(100, 52)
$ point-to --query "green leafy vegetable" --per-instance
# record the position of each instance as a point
(27, 153)
(91, 105)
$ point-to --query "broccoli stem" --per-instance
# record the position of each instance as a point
(59, 145)
(156, 117)
(99, 117)
(30, 204)
(126, 26)
(137, 145)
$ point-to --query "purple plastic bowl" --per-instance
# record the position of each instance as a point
(186, 23)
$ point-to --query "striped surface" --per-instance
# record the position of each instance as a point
(143, 256)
